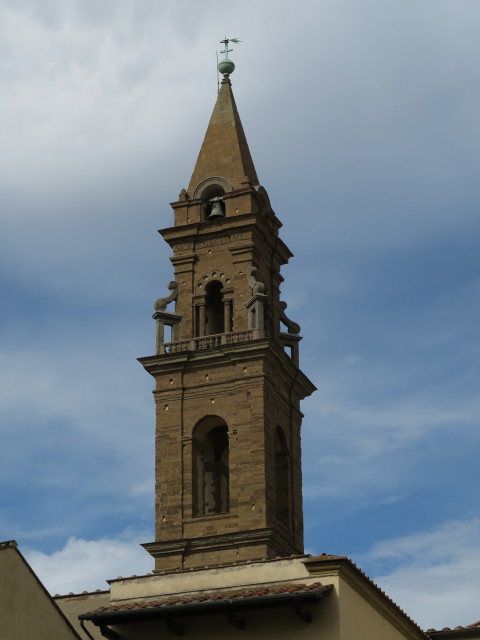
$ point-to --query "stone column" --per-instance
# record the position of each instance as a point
(201, 319)
(227, 315)
(163, 318)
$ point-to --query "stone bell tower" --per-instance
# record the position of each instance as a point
(227, 380)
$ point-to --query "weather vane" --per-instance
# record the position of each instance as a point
(226, 66)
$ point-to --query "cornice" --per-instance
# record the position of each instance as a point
(254, 222)
(235, 353)
(218, 542)
(217, 227)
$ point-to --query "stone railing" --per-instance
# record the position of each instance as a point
(211, 342)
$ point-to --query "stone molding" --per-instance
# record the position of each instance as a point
(270, 537)
(214, 181)
(218, 275)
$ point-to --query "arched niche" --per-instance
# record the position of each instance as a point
(210, 472)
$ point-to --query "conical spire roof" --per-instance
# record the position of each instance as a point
(224, 152)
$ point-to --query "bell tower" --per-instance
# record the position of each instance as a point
(227, 380)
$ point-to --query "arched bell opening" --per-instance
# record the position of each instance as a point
(214, 311)
(282, 478)
(211, 192)
(213, 204)
(210, 467)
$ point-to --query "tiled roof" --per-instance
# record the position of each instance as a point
(345, 559)
(217, 596)
(469, 627)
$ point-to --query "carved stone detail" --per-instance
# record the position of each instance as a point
(292, 327)
(212, 275)
(161, 303)
(255, 285)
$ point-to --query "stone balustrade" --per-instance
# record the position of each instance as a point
(210, 342)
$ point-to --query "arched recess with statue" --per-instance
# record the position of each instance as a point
(210, 467)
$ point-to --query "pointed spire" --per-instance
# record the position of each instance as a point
(224, 151)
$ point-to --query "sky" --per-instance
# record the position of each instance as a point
(362, 120)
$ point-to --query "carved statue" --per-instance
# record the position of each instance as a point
(256, 285)
(161, 303)
(292, 327)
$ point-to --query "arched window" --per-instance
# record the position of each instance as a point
(214, 313)
(210, 473)
(282, 478)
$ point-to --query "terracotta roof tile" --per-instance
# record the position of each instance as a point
(222, 595)
(468, 627)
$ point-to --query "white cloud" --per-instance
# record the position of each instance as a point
(354, 442)
(85, 565)
(392, 499)
(436, 574)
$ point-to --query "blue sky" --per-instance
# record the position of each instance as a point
(362, 119)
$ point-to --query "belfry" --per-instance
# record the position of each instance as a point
(227, 380)
(228, 545)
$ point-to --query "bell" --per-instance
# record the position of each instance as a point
(216, 210)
